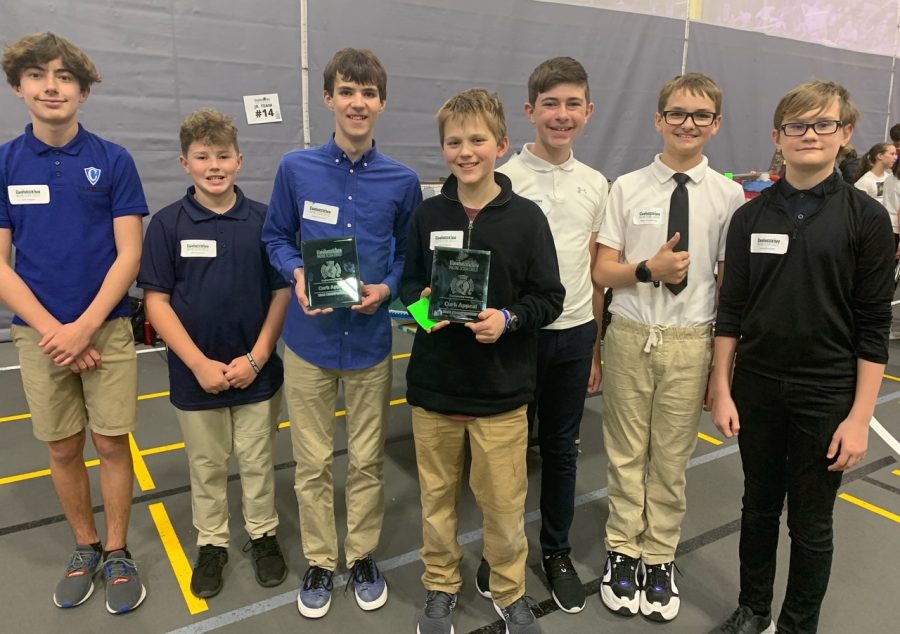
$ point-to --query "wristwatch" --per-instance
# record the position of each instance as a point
(514, 323)
(642, 273)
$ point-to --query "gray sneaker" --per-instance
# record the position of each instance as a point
(124, 590)
(77, 585)
(437, 617)
(744, 621)
(518, 617)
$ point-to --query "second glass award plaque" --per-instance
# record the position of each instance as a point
(331, 269)
(459, 284)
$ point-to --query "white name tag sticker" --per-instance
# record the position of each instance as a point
(648, 216)
(320, 212)
(775, 243)
(198, 248)
(28, 194)
(451, 239)
(544, 204)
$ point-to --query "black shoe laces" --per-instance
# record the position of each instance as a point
(439, 604)
(317, 578)
(265, 546)
(211, 558)
(520, 612)
(363, 571)
(659, 575)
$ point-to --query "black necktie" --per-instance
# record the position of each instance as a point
(678, 221)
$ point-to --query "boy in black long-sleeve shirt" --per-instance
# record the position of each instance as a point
(803, 319)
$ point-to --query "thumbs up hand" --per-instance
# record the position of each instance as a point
(668, 266)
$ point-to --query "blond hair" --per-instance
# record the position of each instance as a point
(208, 126)
(815, 96)
(473, 103)
(697, 84)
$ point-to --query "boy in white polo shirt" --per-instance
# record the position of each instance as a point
(661, 239)
(573, 197)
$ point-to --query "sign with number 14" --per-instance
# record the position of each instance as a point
(262, 108)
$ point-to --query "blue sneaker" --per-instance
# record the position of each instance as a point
(314, 597)
(368, 584)
(77, 585)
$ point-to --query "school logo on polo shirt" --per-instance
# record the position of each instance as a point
(92, 174)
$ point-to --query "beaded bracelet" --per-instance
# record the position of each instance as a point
(252, 363)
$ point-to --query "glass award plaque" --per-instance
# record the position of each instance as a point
(459, 284)
(331, 269)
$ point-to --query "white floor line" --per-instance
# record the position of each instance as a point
(266, 605)
(142, 351)
(889, 440)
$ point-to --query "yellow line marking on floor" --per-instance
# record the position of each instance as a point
(180, 564)
(870, 507)
(146, 397)
(162, 449)
(42, 473)
(141, 472)
(896, 472)
(7, 419)
(891, 377)
(710, 439)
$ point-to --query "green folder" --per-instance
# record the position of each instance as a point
(419, 311)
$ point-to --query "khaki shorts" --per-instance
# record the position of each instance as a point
(63, 403)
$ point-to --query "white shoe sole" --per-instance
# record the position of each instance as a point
(625, 607)
(572, 610)
(132, 608)
(657, 612)
(313, 613)
(373, 605)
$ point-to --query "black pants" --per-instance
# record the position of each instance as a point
(564, 366)
(785, 432)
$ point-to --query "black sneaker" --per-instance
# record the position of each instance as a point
(620, 588)
(744, 621)
(659, 595)
(437, 617)
(206, 579)
(268, 562)
(518, 617)
(483, 579)
(565, 586)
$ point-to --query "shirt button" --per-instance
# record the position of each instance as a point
(349, 224)
(351, 171)
(799, 216)
(365, 165)
(56, 162)
(349, 197)
(59, 174)
(337, 160)
(346, 332)
(56, 152)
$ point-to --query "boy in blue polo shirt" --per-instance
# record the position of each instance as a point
(204, 251)
(72, 206)
(343, 188)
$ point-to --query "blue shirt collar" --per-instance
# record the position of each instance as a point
(199, 213)
(334, 151)
(72, 148)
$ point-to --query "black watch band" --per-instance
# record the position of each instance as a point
(642, 272)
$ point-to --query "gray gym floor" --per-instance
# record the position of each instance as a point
(35, 540)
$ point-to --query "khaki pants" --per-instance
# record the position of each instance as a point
(654, 381)
(210, 437)
(63, 403)
(312, 397)
(499, 480)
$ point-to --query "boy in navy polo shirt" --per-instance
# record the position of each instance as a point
(343, 188)
(72, 206)
(800, 349)
(204, 251)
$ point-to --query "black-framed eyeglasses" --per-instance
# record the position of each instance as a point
(819, 127)
(701, 119)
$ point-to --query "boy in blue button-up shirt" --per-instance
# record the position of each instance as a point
(343, 188)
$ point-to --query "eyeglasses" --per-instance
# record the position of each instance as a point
(819, 127)
(701, 119)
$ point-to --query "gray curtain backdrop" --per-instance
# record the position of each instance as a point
(161, 60)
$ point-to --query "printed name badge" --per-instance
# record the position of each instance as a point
(198, 248)
(452, 239)
(320, 212)
(28, 194)
(544, 204)
(648, 216)
(776, 243)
